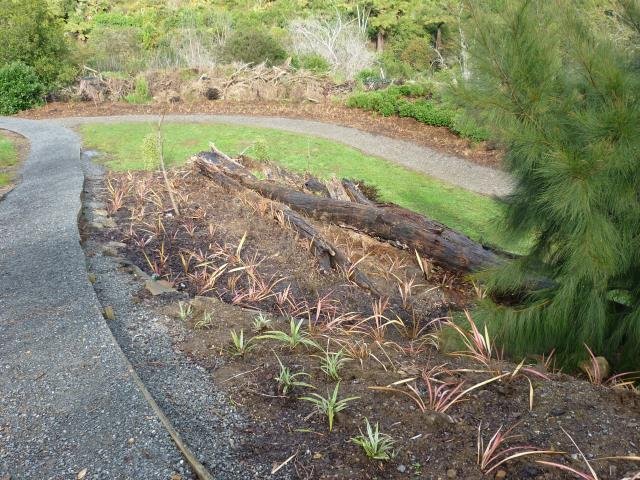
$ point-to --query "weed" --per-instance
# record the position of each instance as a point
(329, 405)
(240, 346)
(376, 445)
(293, 339)
(287, 381)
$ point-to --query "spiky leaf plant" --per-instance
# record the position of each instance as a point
(560, 85)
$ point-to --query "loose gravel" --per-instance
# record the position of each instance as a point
(68, 402)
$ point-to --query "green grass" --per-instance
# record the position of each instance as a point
(8, 158)
(473, 214)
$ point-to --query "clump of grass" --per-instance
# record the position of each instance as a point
(329, 405)
(287, 381)
(376, 445)
(293, 339)
(239, 345)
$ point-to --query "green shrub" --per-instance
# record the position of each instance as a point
(413, 101)
(426, 112)
(141, 93)
(254, 46)
(116, 50)
(20, 88)
(30, 34)
(417, 53)
(314, 63)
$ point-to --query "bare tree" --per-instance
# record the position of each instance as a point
(342, 43)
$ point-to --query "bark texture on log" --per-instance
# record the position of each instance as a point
(405, 228)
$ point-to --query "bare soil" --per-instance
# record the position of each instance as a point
(266, 268)
(439, 138)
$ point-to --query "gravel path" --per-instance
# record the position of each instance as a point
(451, 169)
(68, 402)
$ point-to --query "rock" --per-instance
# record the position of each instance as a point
(159, 287)
(112, 249)
(437, 419)
(100, 212)
(501, 475)
(92, 278)
(108, 313)
(452, 473)
(603, 368)
(401, 468)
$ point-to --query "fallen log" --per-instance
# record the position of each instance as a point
(442, 245)
(328, 256)
(355, 194)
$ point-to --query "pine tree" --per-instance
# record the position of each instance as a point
(559, 83)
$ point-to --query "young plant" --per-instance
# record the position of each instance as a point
(492, 456)
(239, 345)
(329, 405)
(332, 362)
(206, 321)
(293, 339)
(478, 346)
(287, 381)
(261, 322)
(376, 445)
(185, 310)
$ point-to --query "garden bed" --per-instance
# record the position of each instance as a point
(231, 262)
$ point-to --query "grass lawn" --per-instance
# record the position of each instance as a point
(473, 214)
(8, 159)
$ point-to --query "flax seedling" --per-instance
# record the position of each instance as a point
(332, 362)
(261, 322)
(240, 346)
(293, 339)
(185, 310)
(376, 445)
(287, 381)
(329, 405)
(492, 455)
(206, 321)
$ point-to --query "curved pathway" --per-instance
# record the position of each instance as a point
(448, 168)
(68, 400)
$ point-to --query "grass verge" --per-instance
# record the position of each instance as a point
(8, 159)
(473, 214)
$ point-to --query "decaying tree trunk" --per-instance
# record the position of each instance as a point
(328, 256)
(407, 229)
(355, 194)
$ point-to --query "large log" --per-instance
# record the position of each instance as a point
(328, 256)
(444, 246)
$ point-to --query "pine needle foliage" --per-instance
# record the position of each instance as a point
(560, 86)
